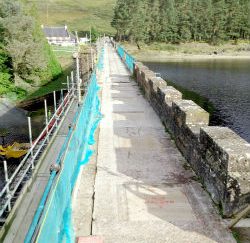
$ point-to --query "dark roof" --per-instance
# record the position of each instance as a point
(72, 36)
(55, 31)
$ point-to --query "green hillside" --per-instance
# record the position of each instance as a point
(77, 14)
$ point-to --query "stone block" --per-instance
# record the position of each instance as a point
(228, 156)
(186, 112)
(229, 150)
(147, 74)
(139, 65)
(171, 95)
(153, 82)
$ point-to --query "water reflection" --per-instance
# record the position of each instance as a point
(225, 83)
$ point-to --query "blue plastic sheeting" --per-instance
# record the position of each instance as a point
(121, 51)
(127, 58)
(54, 223)
(100, 63)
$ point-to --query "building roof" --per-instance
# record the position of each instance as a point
(56, 31)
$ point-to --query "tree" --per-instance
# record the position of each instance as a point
(182, 20)
(233, 19)
(168, 21)
(137, 26)
(32, 61)
(121, 18)
(184, 23)
(152, 23)
(218, 21)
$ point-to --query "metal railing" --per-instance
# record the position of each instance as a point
(126, 57)
(36, 224)
(24, 170)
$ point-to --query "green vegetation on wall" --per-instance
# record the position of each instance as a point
(176, 21)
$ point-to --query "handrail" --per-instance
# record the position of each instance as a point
(32, 148)
(46, 132)
(38, 214)
(35, 223)
(127, 58)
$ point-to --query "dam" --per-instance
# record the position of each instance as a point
(137, 164)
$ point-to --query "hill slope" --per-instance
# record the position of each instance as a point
(77, 14)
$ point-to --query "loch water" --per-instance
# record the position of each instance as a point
(220, 86)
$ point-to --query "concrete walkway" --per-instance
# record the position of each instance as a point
(144, 190)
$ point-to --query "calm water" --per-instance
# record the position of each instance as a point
(223, 83)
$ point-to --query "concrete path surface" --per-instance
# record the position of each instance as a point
(144, 190)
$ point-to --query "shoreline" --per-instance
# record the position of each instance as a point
(162, 52)
(155, 56)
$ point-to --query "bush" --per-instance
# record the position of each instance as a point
(24, 52)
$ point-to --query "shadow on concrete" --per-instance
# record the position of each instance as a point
(165, 188)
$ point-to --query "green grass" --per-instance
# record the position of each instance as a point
(77, 14)
(65, 58)
(164, 51)
(236, 236)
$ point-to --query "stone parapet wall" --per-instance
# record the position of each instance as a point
(219, 157)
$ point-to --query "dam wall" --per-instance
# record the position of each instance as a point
(219, 157)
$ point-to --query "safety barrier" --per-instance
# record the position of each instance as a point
(52, 221)
(25, 168)
(127, 58)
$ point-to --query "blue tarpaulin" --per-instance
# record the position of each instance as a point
(127, 58)
(52, 221)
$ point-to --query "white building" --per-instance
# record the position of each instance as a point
(84, 40)
(59, 36)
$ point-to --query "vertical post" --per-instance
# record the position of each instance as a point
(46, 118)
(77, 39)
(92, 61)
(72, 81)
(61, 96)
(92, 65)
(7, 181)
(88, 65)
(68, 83)
(54, 95)
(78, 78)
(31, 142)
(62, 100)
(90, 36)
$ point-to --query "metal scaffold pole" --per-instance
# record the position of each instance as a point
(46, 118)
(91, 54)
(61, 96)
(31, 141)
(7, 181)
(54, 95)
(68, 83)
(72, 80)
(78, 78)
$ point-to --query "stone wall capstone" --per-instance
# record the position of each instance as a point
(219, 157)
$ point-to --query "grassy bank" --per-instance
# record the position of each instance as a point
(161, 52)
(77, 14)
(64, 56)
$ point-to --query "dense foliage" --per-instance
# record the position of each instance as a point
(182, 20)
(26, 60)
